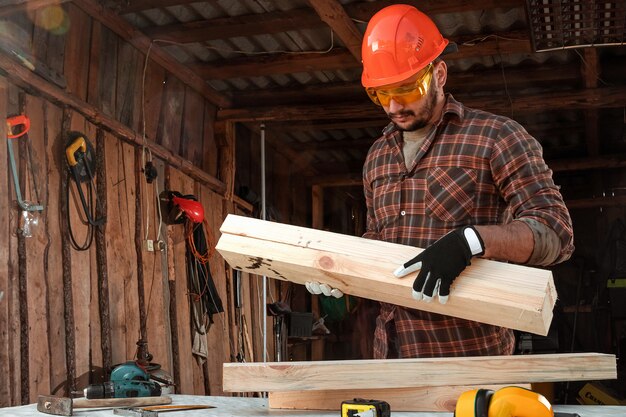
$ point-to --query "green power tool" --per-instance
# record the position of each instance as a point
(127, 380)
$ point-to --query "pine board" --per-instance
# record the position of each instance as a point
(417, 372)
(400, 399)
(497, 293)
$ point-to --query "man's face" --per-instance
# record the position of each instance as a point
(414, 115)
(415, 103)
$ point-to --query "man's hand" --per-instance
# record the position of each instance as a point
(442, 262)
(316, 288)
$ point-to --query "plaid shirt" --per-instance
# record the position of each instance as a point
(474, 168)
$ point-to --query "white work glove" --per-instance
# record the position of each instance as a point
(316, 288)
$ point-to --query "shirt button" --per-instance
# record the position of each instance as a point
(402, 213)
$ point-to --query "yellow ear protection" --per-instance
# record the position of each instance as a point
(506, 402)
(474, 403)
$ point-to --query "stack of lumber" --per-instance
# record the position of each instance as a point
(490, 292)
(498, 293)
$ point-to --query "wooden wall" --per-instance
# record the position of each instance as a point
(67, 314)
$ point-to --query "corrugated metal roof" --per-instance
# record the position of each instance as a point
(503, 24)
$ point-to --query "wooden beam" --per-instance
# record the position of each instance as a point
(228, 27)
(457, 83)
(604, 97)
(26, 79)
(399, 399)
(335, 16)
(283, 63)
(413, 373)
(364, 268)
(132, 35)
(338, 58)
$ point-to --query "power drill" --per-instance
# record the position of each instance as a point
(127, 380)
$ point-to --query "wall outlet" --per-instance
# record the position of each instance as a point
(149, 245)
(159, 245)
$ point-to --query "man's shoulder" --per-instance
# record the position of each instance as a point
(474, 118)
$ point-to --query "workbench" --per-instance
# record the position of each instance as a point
(257, 407)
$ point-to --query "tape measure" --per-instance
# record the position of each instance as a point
(360, 407)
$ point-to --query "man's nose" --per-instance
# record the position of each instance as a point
(394, 106)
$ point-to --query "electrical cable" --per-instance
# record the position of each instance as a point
(89, 238)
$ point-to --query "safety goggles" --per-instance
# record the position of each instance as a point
(403, 94)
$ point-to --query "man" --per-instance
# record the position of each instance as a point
(457, 181)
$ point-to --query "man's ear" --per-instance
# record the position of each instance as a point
(441, 73)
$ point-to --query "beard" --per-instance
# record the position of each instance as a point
(424, 116)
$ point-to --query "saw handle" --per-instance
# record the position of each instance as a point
(70, 151)
(15, 122)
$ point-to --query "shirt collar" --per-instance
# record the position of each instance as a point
(451, 108)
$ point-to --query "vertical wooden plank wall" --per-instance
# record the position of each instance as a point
(65, 314)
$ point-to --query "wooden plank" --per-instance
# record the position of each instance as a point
(153, 82)
(53, 258)
(191, 142)
(156, 290)
(134, 36)
(105, 94)
(23, 77)
(6, 351)
(170, 125)
(210, 148)
(129, 80)
(399, 399)
(418, 372)
(82, 279)
(364, 267)
(187, 365)
(76, 49)
(218, 336)
(37, 285)
(122, 261)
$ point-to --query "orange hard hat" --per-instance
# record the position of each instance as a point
(399, 41)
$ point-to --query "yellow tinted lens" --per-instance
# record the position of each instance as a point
(404, 94)
(371, 93)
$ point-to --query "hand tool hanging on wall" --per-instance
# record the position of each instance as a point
(204, 298)
(81, 161)
(18, 127)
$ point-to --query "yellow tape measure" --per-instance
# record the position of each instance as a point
(360, 407)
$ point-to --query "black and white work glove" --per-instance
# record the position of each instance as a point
(316, 288)
(442, 262)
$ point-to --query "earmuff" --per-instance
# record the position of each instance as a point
(474, 403)
(506, 402)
